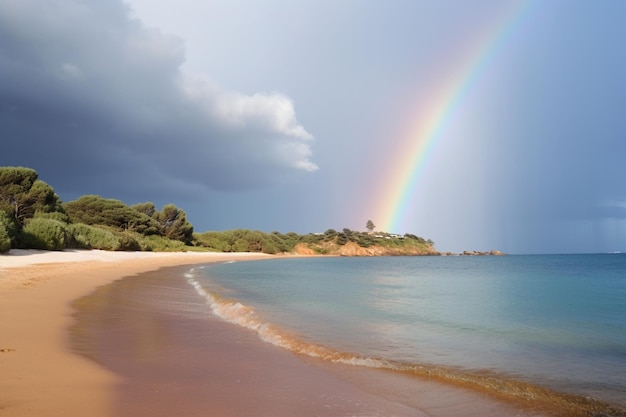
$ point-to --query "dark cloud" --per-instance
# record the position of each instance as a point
(98, 102)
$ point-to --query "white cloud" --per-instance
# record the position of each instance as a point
(304, 154)
(265, 123)
(271, 111)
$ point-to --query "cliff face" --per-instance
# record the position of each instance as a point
(353, 249)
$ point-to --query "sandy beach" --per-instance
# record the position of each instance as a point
(40, 376)
(240, 375)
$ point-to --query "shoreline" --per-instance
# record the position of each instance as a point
(176, 357)
(41, 376)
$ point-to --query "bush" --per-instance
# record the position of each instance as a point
(159, 243)
(5, 240)
(54, 215)
(10, 227)
(281, 243)
(46, 234)
(128, 242)
(312, 238)
(243, 240)
(365, 241)
(218, 241)
(90, 237)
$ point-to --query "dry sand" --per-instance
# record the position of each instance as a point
(39, 376)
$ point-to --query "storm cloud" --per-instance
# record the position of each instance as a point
(213, 106)
(92, 95)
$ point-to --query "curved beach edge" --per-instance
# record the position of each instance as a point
(41, 376)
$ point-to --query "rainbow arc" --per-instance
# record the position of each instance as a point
(395, 207)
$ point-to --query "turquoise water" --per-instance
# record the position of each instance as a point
(556, 321)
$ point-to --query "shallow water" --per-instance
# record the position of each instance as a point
(174, 357)
(554, 321)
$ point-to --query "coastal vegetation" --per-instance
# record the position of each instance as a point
(32, 216)
(346, 243)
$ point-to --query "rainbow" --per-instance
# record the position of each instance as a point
(402, 187)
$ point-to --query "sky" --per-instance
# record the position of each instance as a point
(478, 124)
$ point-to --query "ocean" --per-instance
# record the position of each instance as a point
(521, 323)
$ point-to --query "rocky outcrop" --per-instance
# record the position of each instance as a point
(478, 253)
(353, 249)
(475, 253)
(303, 249)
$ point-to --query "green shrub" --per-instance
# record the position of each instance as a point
(364, 240)
(312, 238)
(243, 240)
(90, 237)
(11, 227)
(5, 240)
(159, 244)
(46, 234)
(128, 242)
(54, 215)
(218, 241)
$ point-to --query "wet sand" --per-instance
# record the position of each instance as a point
(176, 358)
(145, 349)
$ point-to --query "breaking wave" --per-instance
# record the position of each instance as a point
(501, 386)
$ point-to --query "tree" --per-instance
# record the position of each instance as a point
(15, 182)
(153, 227)
(174, 223)
(42, 198)
(370, 226)
(93, 209)
(22, 194)
(11, 229)
(5, 238)
(146, 208)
